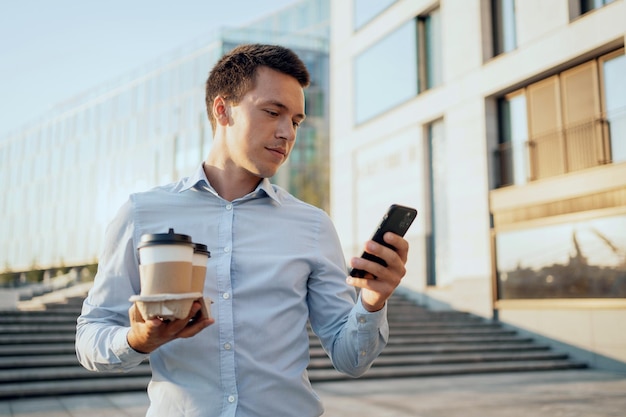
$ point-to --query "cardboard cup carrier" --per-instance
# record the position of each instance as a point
(172, 270)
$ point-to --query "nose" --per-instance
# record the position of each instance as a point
(285, 129)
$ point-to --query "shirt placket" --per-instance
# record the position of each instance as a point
(224, 305)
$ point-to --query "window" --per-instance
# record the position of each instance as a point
(503, 22)
(429, 28)
(589, 5)
(567, 122)
(511, 153)
(583, 259)
(614, 89)
(398, 67)
(366, 10)
(437, 238)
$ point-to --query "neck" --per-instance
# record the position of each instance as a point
(230, 184)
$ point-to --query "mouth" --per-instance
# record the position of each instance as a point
(280, 152)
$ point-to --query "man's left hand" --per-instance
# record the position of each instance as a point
(380, 282)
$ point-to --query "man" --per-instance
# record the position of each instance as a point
(275, 263)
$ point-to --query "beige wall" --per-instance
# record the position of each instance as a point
(594, 326)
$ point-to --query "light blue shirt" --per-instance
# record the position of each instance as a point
(275, 263)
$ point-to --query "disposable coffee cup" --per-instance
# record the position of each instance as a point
(165, 263)
(200, 258)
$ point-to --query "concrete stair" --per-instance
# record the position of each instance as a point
(37, 355)
(435, 343)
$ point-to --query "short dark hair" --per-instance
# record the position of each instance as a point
(234, 74)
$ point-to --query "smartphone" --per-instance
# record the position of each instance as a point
(397, 220)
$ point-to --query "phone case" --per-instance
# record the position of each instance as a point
(397, 220)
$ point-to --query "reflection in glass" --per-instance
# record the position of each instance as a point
(438, 239)
(512, 153)
(615, 96)
(585, 259)
(504, 31)
(433, 45)
(386, 74)
(588, 5)
(366, 10)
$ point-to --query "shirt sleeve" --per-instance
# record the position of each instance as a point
(351, 336)
(101, 330)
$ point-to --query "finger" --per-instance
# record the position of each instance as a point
(373, 270)
(398, 242)
(134, 314)
(389, 255)
(195, 327)
(358, 282)
(194, 310)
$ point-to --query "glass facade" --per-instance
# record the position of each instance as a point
(65, 177)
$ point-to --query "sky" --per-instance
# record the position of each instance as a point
(53, 50)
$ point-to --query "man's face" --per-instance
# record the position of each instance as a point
(263, 125)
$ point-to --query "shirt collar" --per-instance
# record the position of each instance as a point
(199, 181)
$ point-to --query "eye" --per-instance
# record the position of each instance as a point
(271, 112)
(296, 125)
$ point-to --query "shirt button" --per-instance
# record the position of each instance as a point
(229, 207)
(362, 320)
(226, 296)
(227, 346)
(227, 249)
(231, 398)
(363, 353)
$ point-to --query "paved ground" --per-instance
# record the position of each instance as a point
(578, 393)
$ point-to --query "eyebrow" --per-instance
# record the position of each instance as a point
(280, 105)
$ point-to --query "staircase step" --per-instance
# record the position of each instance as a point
(24, 317)
(442, 331)
(20, 339)
(32, 315)
(448, 348)
(62, 373)
(417, 330)
(325, 375)
(37, 349)
(453, 358)
(39, 361)
(435, 340)
(37, 328)
(74, 387)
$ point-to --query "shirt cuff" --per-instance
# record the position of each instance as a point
(124, 352)
(367, 318)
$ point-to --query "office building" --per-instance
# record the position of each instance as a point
(504, 123)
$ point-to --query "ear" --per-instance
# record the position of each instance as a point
(220, 110)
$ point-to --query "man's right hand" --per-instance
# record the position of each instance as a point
(147, 335)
